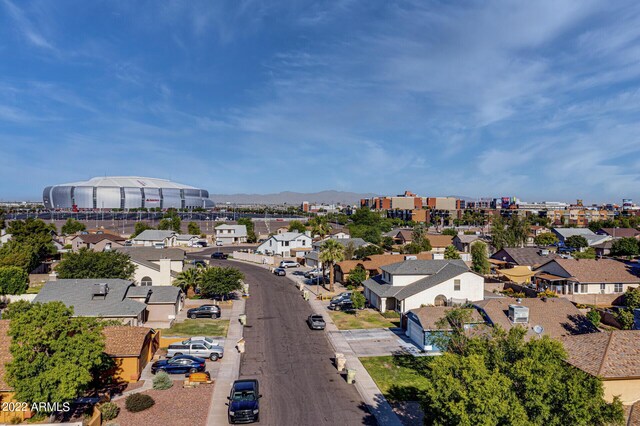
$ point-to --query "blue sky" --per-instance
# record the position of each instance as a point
(540, 100)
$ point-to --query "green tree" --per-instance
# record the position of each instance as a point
(139, 228)
(625, 247)
(576, 241)
(449, 231)
(632, 298)
(251, 234)
(412, 248)
(331, 252)
(72, 226)
(91, 264)
(21, 255)
(545, 239)
(165, 225)
(594, 316)
(55, 356)
(34, 233)
(171, 221)
(589, 253)
(216, 281)
(480, 262)
(387, 243)
(319, 226)
(349, 250)
(189, 279)
(13, 280)
(15, 308)
(193, 228)
(625, 318)
(501, 378)
(368, 250)
(297, 226)
(357, 276)
(358, 300)
(498, 233)
(450, 252)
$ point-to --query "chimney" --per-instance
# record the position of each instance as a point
(53, 276)
(165, 267)
(307, 233)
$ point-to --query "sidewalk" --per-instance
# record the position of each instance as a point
(229, 367)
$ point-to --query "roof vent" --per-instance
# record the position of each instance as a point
(100, 289)
(518, 314)
(544, 252)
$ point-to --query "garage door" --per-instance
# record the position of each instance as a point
(416, 333)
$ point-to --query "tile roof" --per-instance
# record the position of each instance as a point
(558, 316)
(79, 294)
(5, 355)
(611, 355)
(419, 267)
(96, 238)
(619, 232)
(439, 241)
(122, 340)
(596, 270)
(430, 315)
(524, 256)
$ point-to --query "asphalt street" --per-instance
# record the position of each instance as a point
(299, 384)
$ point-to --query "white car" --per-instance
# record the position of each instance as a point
(218, 243)
(289, 264)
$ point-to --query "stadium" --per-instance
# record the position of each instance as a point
(125, 192)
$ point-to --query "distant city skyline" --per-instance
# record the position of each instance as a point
(538, 100)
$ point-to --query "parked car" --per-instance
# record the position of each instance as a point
(319, 280)
(219, 255)
(314, 273)
(182, 364)
(316, 322)
(204, 311)
(345, 295)
(199, 244)
(198, 263)
(281, 272)
(200, 349)
(218, 243)
(341, 305)
(244, 402)
(209, 340)
(289, 264)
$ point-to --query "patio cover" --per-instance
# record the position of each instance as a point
(518, 274)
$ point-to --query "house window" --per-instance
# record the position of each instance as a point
(456, 285)
(603, 288)
(617, 288)
(146, 281)
(583, 288)
(303, 242)
(286, 243)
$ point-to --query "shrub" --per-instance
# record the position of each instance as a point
(138, 402)
(594, 317)
(162, 381)
(547, 293)
(109, 411)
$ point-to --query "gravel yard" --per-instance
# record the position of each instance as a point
(174, 407)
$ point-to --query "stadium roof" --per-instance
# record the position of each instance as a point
(129, 182)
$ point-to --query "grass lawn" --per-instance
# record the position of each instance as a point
(367, 318)
(397, 377)
(199, 327)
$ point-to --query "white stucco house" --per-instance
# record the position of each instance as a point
(281, 244)
(155, 238)
(155, 267)
(411, 284)
(231, 234)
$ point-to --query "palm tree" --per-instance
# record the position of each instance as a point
(188, 279)
(319, 226)
(331, 252)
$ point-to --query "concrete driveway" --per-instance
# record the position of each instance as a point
(380, 342)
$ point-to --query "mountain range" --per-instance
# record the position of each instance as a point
(293, 198)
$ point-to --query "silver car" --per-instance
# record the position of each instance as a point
(200, 349)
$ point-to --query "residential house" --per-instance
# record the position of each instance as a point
(603, 249)
(115, 299)
(619, 232)
(281, 244)
(131, 349)
(155, 238)
(613, 356)
(96, 242)
(586, 276)
(231, 234)
(157, 267)
(187, 240)
(534, 231)
(556, 317)
(373, 263)
(463, 243)
(532, 257)
(423, 325)
(410, 284)
(439, 242)
(591, 237)
(339, 234)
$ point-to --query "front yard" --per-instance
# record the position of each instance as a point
(398, 377)
(365, 319)
(198, 327)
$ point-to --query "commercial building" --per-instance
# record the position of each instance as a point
(124, 192)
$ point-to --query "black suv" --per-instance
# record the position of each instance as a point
(244, 402)
(341, 305)
(219, 255)
(204, 311)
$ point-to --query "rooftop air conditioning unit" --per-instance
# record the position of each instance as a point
(100, 289)
(411, 258)
(518, 314)
(544, 252)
